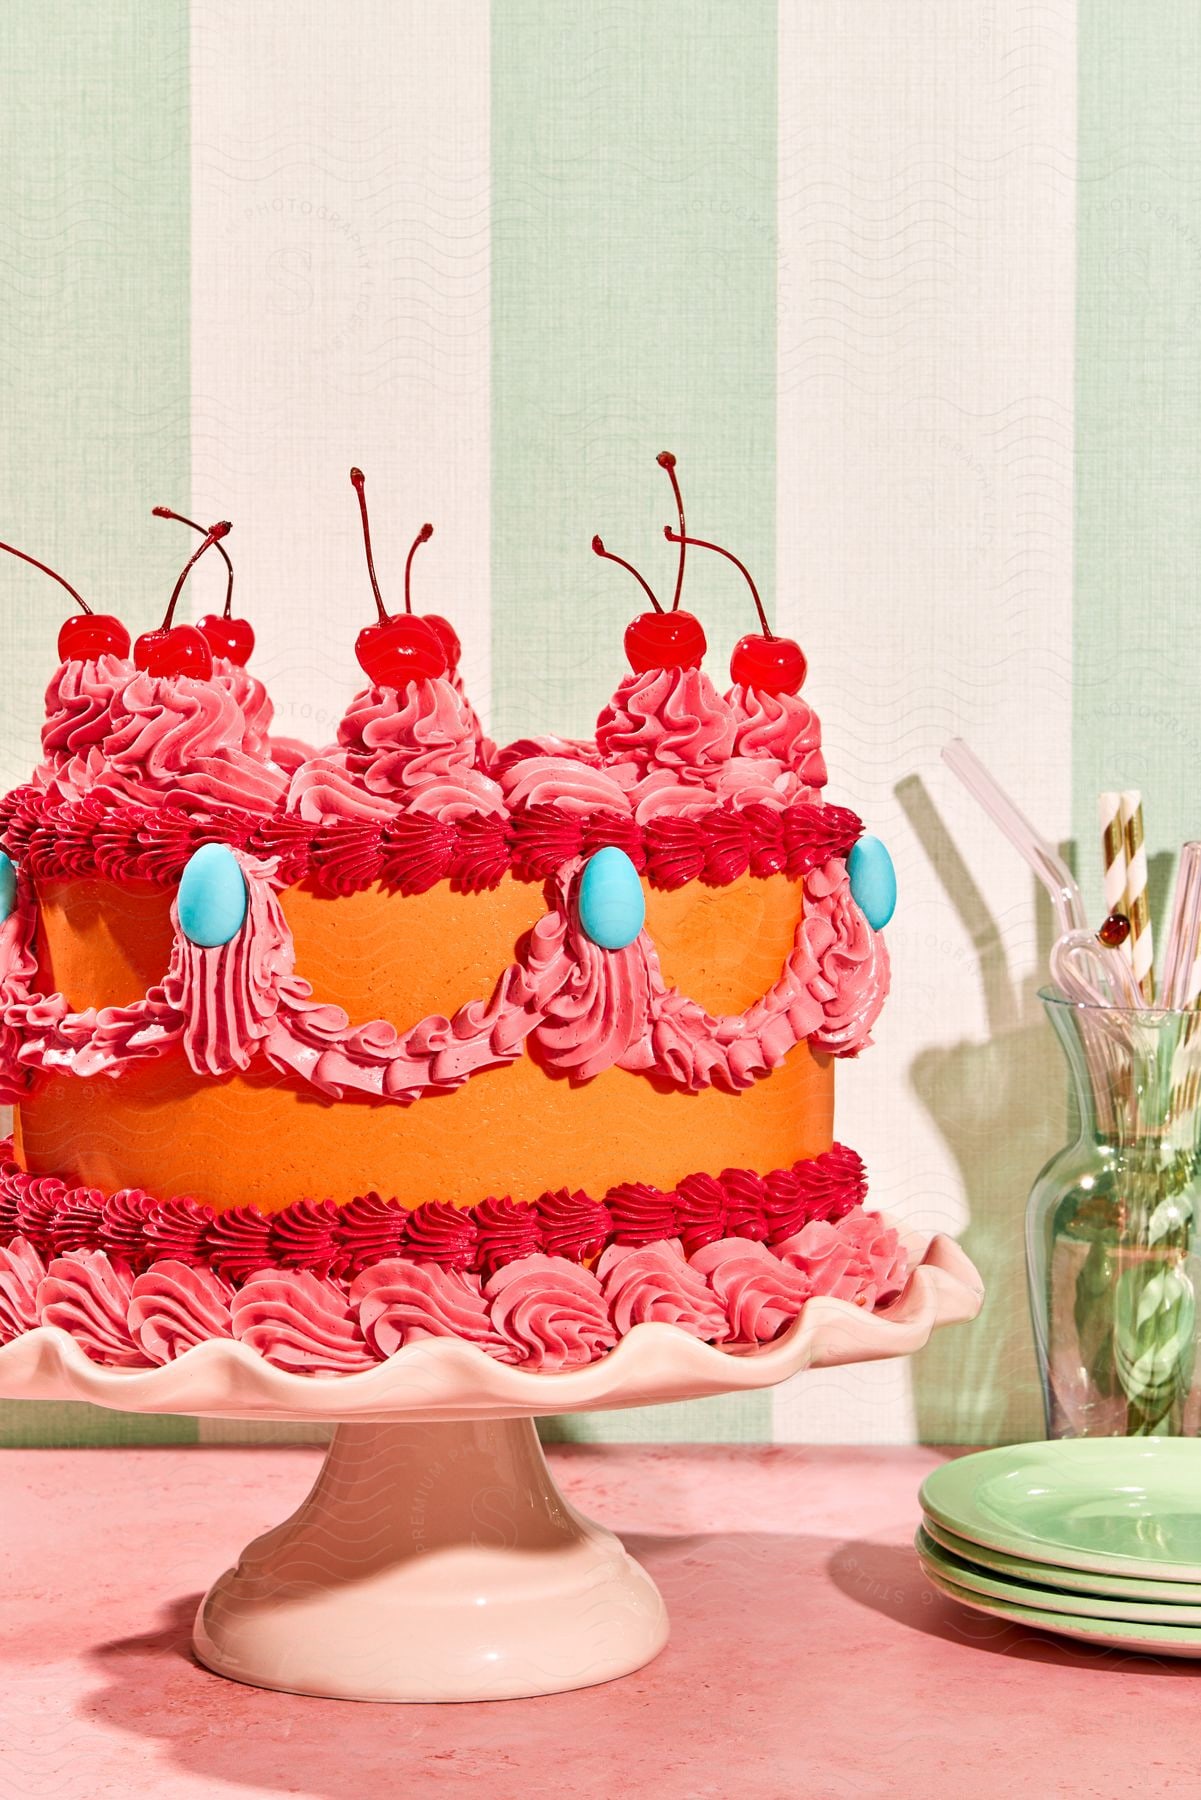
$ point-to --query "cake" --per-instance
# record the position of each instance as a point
(335, 1049)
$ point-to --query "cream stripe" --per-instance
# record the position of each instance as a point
(340, 314)
(340, 234)
(925, 551)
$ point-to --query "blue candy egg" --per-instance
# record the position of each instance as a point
(873, 881)
(212, 896)
(612, 903)
(8, 885)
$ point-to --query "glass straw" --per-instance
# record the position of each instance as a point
(1178, 985)
(1066, 898)
(1184, 931)
(1042, 857)
(1091, 974)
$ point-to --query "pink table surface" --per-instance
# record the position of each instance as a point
(808, 1658)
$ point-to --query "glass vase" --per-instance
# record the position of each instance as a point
(1111, 1228)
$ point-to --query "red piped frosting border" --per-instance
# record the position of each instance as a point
(127, 1277)
(136, 1229)
(414, 851)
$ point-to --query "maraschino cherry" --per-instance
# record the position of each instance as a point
(658, 639)
(447, 636)
(400, 647)
(87, 634)
(180, 649)
(227, 636)
(774, 665)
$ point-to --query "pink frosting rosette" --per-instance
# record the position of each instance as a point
(21, 1272)
(505, 756)
(401, 1302)
(84, 1293)
(669, 793)
(551, 1311)
(127, 737)
(571, 785)
(485, 749)
(173, 1307)
(252, 701)
(288, 753)
(759, 781)
(782, 727)
(665, 719)
(677, 748)
(761, 1295)
(300, 1322)
(322, 790)
(655, 1284)
(856, 1258)
(83, 706)
(398, 749)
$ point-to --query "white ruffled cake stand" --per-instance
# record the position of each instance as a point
(434, 1558)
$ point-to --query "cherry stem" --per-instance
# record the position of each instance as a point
(675, 537)
(212, 536)
(359, 481)
(165, 512)
(667, 461)
(608, 555)
(423, 537)
(53, 573)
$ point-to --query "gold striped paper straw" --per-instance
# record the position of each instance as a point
(1113, 857)
(1138, 910)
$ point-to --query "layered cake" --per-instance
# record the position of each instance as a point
(331, 1050)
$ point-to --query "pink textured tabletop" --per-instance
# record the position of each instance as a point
(808, 1655)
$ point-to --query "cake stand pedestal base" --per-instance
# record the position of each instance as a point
(435, 1559)
(432, 1562)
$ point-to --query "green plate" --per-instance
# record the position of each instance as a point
(966, 1574)
(1069, 1581)
(1118, 1506)
(1160, 1640)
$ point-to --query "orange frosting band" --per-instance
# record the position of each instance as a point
(269, 1139)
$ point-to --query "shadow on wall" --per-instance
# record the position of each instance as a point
(1001, 1107)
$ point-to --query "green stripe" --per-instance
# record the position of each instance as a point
(1138, 421)
(94, 379)
(633, 310)
(33, 1424)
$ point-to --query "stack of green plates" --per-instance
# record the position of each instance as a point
(1094, 1538)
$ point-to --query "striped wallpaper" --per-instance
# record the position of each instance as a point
(910, 286)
